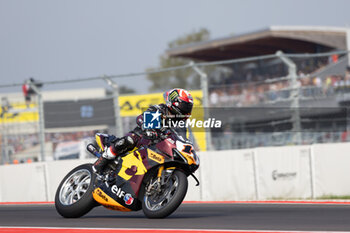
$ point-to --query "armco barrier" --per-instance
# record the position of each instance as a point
(251, 174)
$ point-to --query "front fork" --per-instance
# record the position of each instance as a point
(161, 178)
(160, 181)
(160, 171)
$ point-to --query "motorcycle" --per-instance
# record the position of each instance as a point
(152, 178)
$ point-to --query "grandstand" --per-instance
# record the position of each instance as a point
(264, 85)
(289, 39)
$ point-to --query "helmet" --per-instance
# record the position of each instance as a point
(179, 102)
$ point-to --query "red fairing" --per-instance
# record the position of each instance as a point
(166, 146)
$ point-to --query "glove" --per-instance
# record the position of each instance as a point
(164, 133)
(151, 134)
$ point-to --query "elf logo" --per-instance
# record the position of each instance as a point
(128, 199)
(117, 191)
(120, 193)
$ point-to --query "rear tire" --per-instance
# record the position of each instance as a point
(74, 194)
(170, 198)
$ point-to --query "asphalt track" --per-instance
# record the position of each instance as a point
(281, 217)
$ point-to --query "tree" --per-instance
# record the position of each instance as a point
(183, 78)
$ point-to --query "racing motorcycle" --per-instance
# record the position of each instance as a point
(152, 178)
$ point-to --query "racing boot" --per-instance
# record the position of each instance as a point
(119, 147)
(107, 156)
(99, 165)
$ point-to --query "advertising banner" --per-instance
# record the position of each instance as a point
(18, 113)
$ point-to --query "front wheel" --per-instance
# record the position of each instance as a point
(74, 194)
(160, 202)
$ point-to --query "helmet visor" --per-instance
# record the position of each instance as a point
(185, 107)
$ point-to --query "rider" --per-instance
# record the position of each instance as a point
(178, 106)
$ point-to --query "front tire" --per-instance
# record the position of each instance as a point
(161, 205)
(74, 194)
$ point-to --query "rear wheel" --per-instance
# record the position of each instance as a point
(74, 194)
(162, 200)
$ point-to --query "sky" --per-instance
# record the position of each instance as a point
(67, 39)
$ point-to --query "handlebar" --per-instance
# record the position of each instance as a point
(93, 150)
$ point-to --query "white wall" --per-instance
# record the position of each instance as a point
(262, 173)
(25, 182)
(227, 175)
(283, 172)
(332, 169)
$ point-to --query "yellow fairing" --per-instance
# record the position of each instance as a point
(108, 202)
(99, 141)
(129, 161)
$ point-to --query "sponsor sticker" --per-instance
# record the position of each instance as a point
(127, 197)
(283, 175)
(99, 193)
(156, 157)
(173, 95)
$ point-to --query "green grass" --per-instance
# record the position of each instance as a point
(329, 197)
